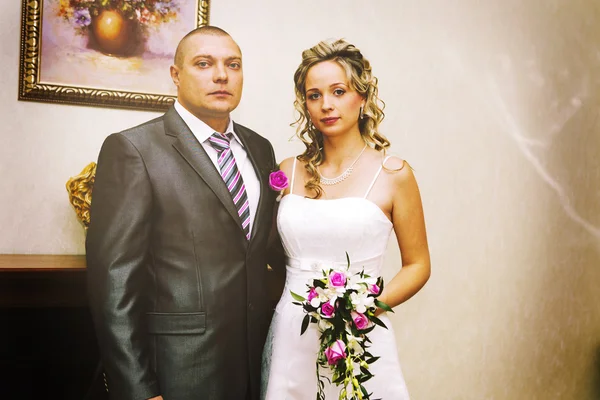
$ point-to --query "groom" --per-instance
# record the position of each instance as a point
(177, 244)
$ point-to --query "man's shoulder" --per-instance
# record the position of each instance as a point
(239, 128)
(144, 129)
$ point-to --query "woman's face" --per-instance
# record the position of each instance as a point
(333, 105)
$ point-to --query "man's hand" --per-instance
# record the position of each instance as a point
(156, 398)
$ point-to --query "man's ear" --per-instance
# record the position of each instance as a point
(175, 74)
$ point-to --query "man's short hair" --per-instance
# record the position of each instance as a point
(202, 30)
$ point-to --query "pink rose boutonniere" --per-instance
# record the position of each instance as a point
(278, 181)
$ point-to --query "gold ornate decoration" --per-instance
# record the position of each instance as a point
(80, 192)
(31, 89)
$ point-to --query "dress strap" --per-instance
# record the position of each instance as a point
(293, 176)
(376, 176)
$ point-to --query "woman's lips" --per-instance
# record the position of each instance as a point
(329, 121)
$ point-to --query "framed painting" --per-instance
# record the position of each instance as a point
(105, 53)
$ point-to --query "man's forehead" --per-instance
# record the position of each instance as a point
(212, 45)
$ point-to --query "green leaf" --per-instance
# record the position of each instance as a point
(372, 360)
(383, 306)
(364, 391)
(365, 331)
(365, 377)
(348, 259)
(305, 322)
(379, 322)
(319, 283)
(297, 297)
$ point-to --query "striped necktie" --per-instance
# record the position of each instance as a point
(232, 178)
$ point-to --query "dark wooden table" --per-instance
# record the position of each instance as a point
(42, 281)
(47, 342)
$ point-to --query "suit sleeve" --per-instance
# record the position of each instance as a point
(117, 250)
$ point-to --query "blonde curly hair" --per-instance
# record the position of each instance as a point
(358, 70)
(80, 192)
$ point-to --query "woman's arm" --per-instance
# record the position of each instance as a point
(409, 226)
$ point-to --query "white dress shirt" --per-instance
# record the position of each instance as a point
(203, 132)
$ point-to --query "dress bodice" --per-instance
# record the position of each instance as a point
(320, 232)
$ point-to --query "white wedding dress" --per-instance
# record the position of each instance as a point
(315, 232)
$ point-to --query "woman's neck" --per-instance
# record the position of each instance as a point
(338, 151)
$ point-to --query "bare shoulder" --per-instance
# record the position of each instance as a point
(287, 165)
(400, 172)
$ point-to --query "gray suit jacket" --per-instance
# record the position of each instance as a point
(177, 294)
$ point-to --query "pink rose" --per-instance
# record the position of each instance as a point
(360, 320)
(335, 352)
(374, 289)
(337, 279)
(312, 294)
(278, 181)
(327, 309)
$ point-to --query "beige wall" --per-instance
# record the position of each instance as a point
(494, 103)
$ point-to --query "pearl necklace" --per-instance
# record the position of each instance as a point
(343, 175)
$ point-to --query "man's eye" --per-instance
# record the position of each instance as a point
(235, 65)
(202, 64)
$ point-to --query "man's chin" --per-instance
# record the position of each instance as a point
(214, 112)
(221, 106)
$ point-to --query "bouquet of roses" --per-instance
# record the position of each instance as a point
(343, 307)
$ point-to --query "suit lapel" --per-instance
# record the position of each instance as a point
(258, 165)
(192, 151)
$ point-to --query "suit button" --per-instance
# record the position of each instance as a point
(250, 306)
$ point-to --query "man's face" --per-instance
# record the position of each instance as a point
(209, 80)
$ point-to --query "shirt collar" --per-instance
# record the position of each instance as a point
(199, 128)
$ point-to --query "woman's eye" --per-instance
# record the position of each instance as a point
(313, 96)
(339, 92)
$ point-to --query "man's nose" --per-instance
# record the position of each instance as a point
(220, 73)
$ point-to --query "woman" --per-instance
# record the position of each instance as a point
(345, 195)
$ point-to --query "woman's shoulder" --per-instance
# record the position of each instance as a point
(393, 162)
(287, 165)
(291, 166)
(397, 168)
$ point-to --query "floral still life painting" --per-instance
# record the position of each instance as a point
(111, 53)
(118, 27)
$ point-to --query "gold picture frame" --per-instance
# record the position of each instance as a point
(58, 64)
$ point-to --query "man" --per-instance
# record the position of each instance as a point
(177, 244)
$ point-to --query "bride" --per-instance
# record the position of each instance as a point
(345, 195)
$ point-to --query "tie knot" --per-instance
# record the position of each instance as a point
(219, 142)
